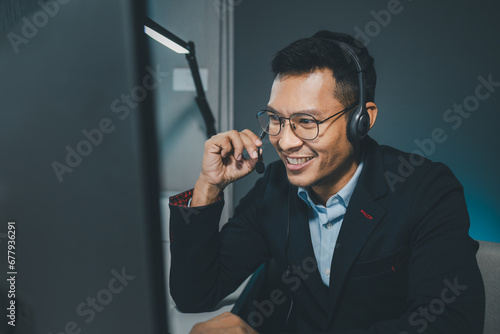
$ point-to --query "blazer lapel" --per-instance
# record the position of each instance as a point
(301, 249)
(362, 217)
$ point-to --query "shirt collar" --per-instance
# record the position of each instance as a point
(344, 195)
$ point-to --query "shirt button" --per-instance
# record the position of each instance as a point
(327, 272)
(329, 226)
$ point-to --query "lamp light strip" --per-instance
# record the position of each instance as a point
(165, 41)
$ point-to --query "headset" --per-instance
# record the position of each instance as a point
(358, 124)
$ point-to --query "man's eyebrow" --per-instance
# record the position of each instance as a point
(269, 108)
(312, 112)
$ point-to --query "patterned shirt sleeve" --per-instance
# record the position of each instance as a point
(184, 198)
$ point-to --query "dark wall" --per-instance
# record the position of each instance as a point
(429, 57)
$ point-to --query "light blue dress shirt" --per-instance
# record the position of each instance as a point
(325, 223)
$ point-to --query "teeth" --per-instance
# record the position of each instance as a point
(298, 161)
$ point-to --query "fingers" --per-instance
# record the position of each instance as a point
(253, 137)
(235, 143)
(238, 142)
(223, 161)
(226, 146)
(254, 140)
(251, 142)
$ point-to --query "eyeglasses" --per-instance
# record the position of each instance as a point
(304, 126)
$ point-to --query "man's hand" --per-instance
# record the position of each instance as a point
(224, 323)
(223, 163)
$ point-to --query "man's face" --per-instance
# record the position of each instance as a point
(327, 162)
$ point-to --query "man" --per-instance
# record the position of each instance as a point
(358, 247)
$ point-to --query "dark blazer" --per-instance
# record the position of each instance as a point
(404, 262)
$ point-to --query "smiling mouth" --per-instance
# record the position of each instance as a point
(300, 161)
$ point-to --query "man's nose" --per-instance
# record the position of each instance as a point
(288, 139)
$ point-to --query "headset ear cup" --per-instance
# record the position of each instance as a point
(358, 125)
(364, 124)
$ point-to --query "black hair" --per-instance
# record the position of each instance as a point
(316, 52)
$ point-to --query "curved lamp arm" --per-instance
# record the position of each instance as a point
(165, 37)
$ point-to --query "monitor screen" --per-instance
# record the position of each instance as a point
(80, 233)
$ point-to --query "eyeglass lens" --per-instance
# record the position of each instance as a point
(303, 125)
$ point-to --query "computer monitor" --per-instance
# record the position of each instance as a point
(79, 208)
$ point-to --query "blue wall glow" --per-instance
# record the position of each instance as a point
(484, 217)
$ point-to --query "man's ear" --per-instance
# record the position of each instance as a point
(372, 110)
